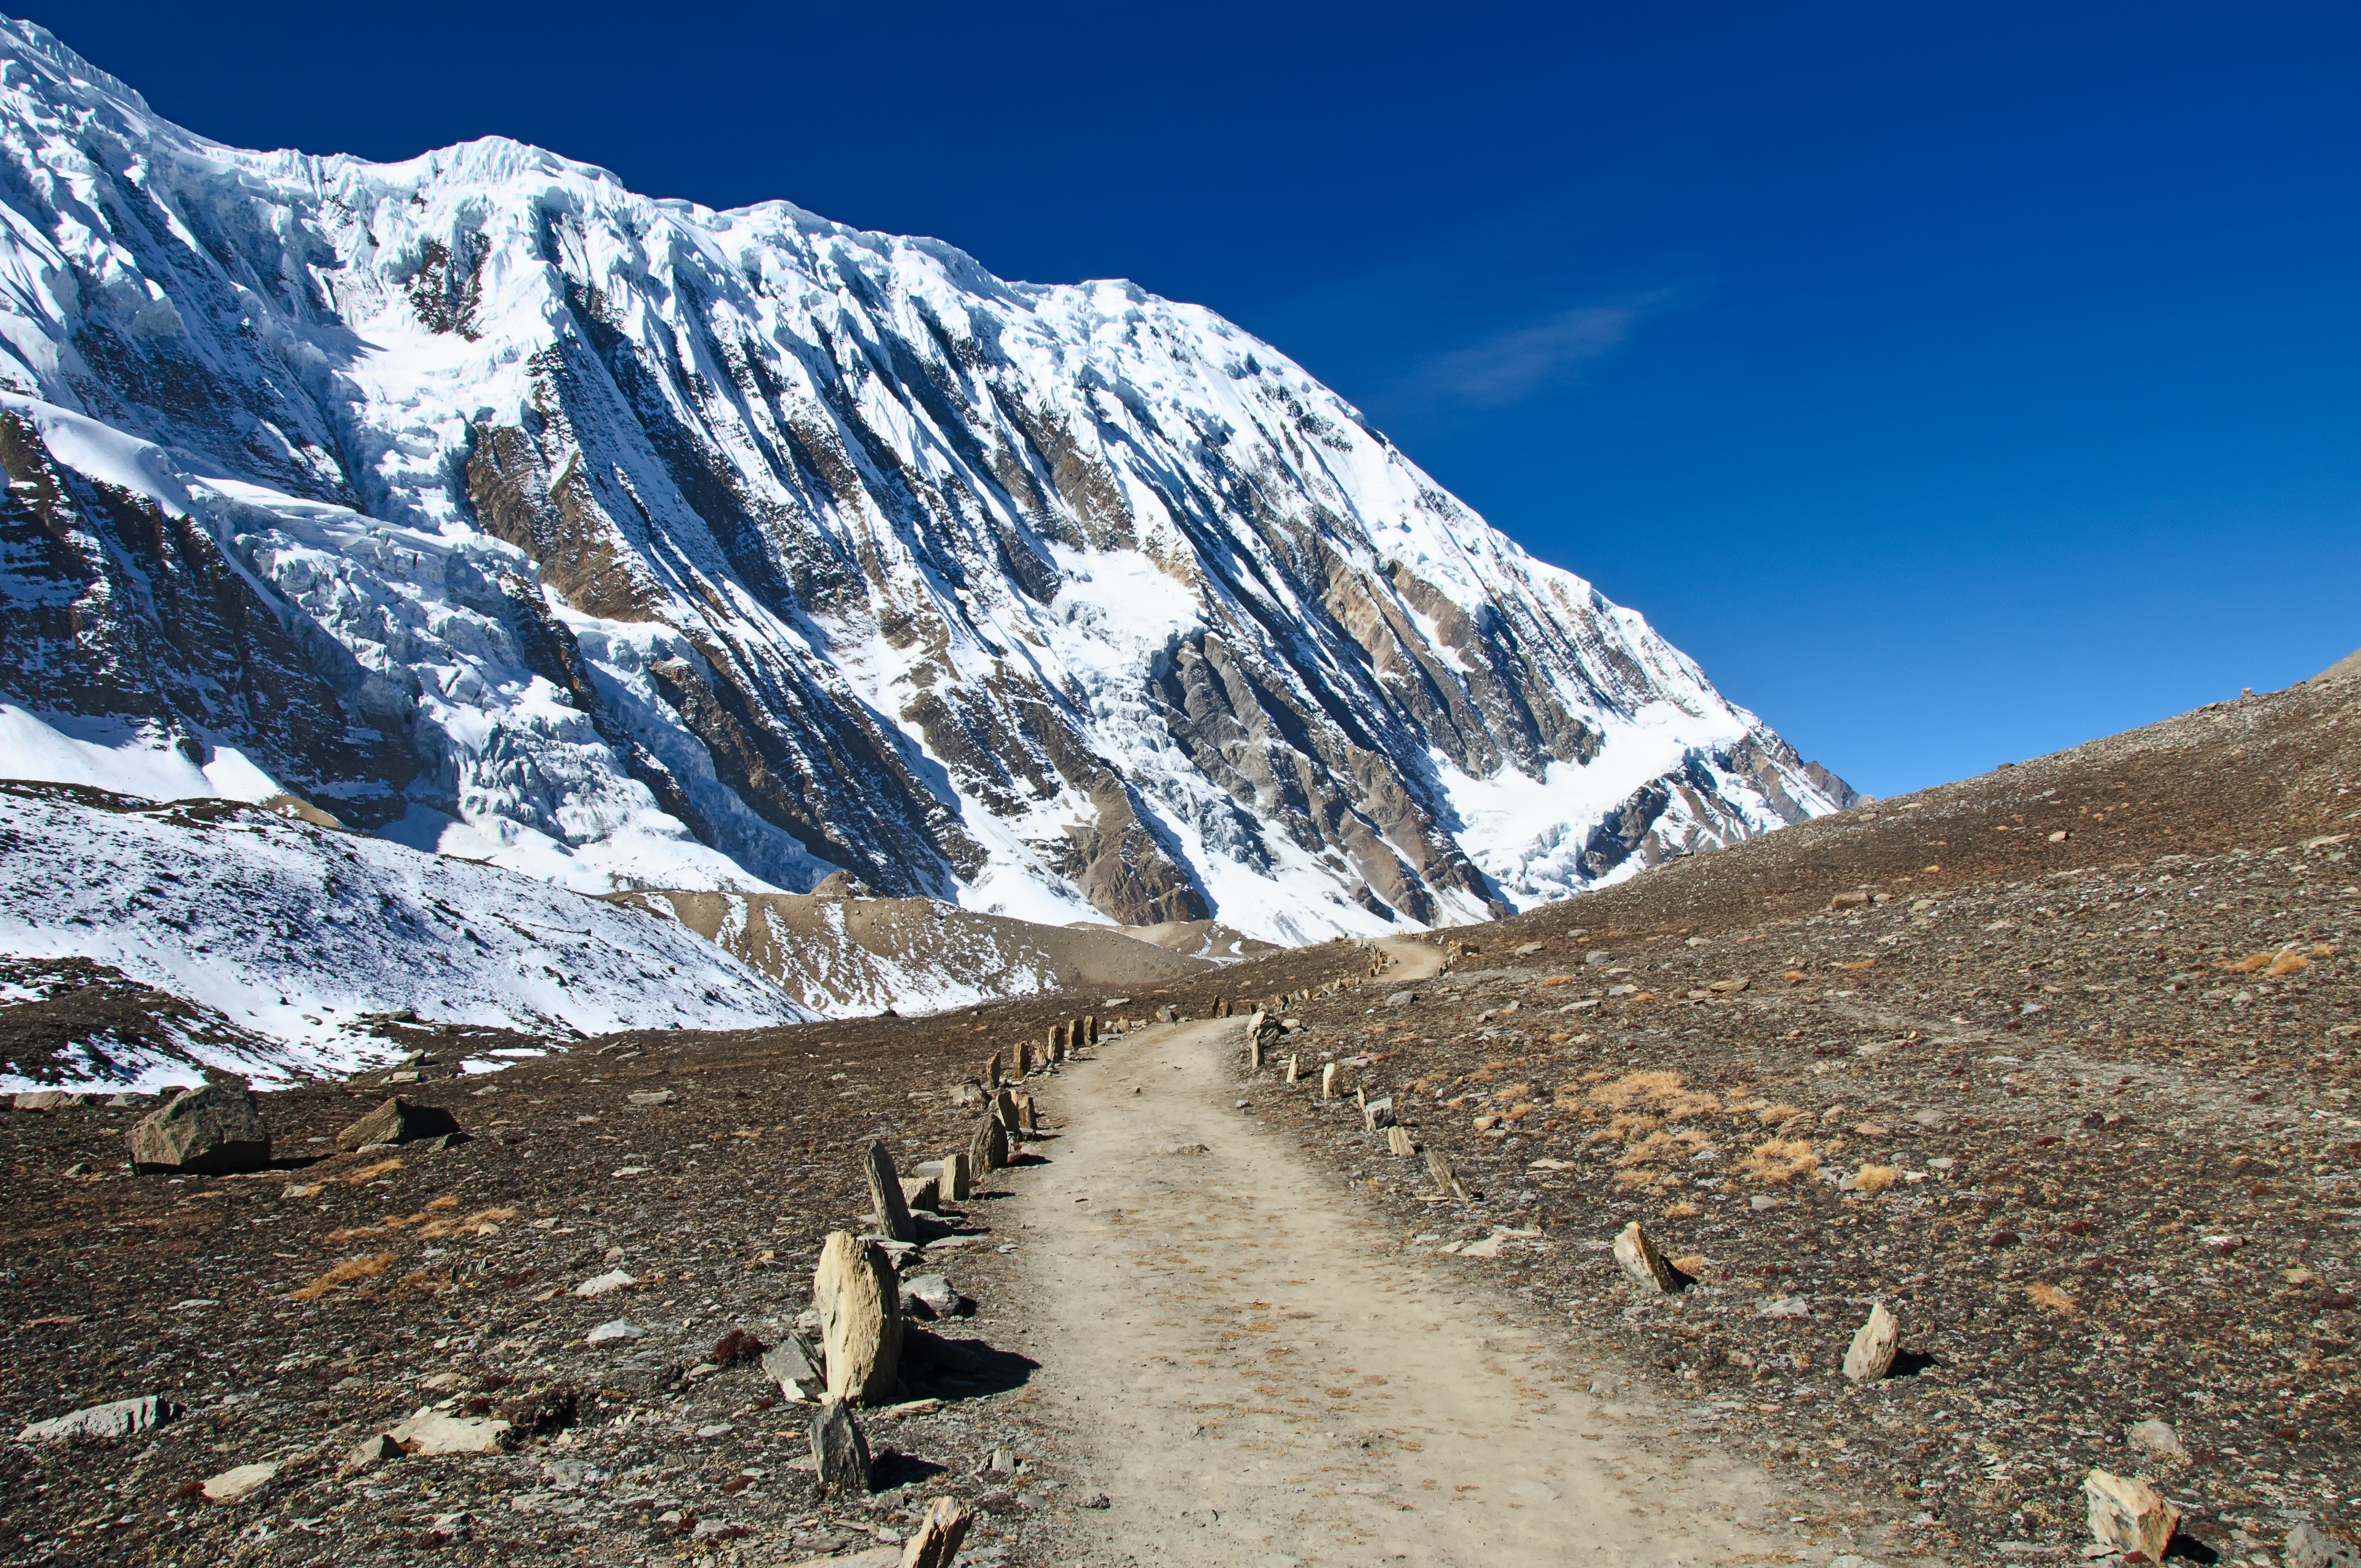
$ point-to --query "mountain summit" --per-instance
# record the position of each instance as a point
(486, 505)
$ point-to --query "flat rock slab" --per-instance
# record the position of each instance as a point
(431, 1433)
(118, 1418)
(243, 1481)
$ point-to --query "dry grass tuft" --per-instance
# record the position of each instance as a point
(1874, 1177)
(2049, 1296)
(345, 1273)
(1779, 1161)
(1771, 1116)
(2248, 964)
(1682, 1210)
(1627, 1179)
(2287, 963)
(1692, 1264)
(1629, 1122)
(448, 1201)
(371, 1172)
(1634, 1088)
(482, 1223)
(1681, 1107)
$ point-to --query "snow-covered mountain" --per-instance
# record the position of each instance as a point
(491, 505)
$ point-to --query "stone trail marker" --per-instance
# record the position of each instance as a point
(1398, 1142)
(959, 1176)
(893, 1221)
(1446, 1180)
(860, 1307)
(840, 1452)
(936, 1544)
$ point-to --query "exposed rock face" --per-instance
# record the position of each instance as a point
(638, 544)
(211, 1131)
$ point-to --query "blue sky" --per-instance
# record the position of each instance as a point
(1955, 382)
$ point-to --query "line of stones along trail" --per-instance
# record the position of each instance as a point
(1257, 1375)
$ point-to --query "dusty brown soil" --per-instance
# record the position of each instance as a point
(2148, 1210)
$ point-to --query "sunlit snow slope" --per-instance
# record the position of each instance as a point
(284, 935)
(486, 504)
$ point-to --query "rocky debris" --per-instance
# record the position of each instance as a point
(854, 1292)
(238, 1482)
(839, 1451)
(2129, 1516)
(614, 1331)
(397, 1121)
(605, 1284)
(118, 1418)
(1637, 1257)
(2158, 1439)
(791, 1364)
(433, 1433)
(654, 1097)
(43, 1101)
(367, 1453)
(2307, 1546)
(1871, 1355)
(213, 1131)
(1177, 1151)
(933, 1296)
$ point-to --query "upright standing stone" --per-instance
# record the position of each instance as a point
(1446, 1180)
(1026, 1117)
(885, 1196)
(840, 1452)
(988, 1150)
(860, 1311)
(211, 1131)
(1328, 1080)
(937, 1542)
(1641, 1259)
(992, 1072)
(1004, 1105)
(959, 1176)
(1057, 1043)
(1290, 1068)
(1398, 1141)
(1089, 1029)
(1870, 1355)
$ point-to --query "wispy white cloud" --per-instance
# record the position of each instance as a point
(1512, 365)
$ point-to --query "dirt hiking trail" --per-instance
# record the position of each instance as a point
(1259, 1375)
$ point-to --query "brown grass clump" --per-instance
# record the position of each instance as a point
(2248, 964)
(2049, 1296)
(1558, 980)
(1694, 1102)
(1779, 1161)
(1629, 1122)
(1628, 1179)
(448, 1201)
(1692, 1264)
(1682, 1210)
(1638, 1088)
(371, 1172)
(482, 1223)
(2287, 963)
(345, 1273)
(1771, 1116)
(1514, 1092)
(1874, 1177)
(1652, 1149)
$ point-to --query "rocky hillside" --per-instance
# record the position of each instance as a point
(491, 505)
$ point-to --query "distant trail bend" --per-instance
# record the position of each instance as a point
(1259, 1377)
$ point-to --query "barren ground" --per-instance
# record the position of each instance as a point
(2047, 1101)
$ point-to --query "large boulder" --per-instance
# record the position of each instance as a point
(211, 1131)
(397, 1121)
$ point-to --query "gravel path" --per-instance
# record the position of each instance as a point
(1260, 1376)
